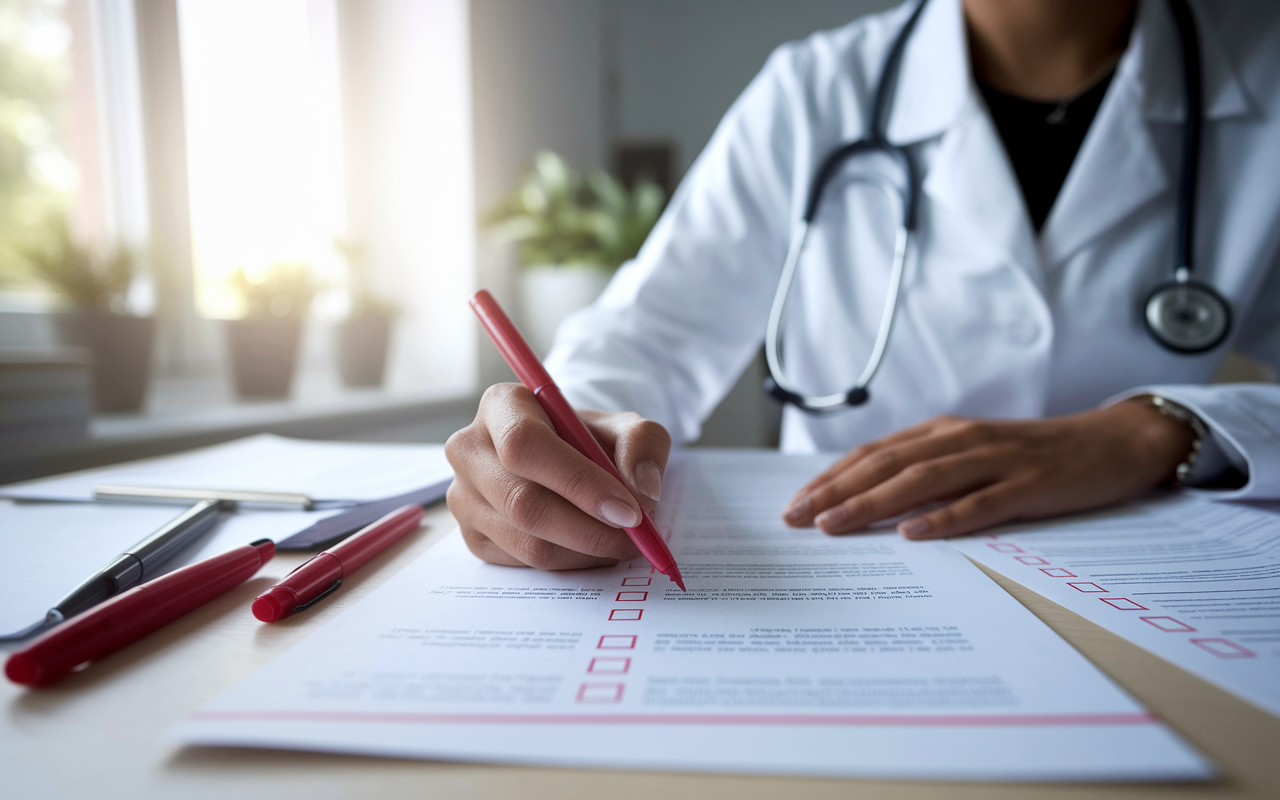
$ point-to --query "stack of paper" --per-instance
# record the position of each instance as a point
(372, 479)
(332, 474)
(1194, 581)
(792, 652)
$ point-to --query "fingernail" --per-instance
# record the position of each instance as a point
(832, 517)
(798, 510)
(618, 513)
(649, 480)
(913, 527)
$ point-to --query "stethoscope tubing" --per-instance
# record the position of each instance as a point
(1198, 300)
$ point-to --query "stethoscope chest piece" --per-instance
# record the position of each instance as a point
(1187, 316)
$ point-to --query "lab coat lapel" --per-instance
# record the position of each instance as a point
(1119, 168)
(967, 171)
(971, 179)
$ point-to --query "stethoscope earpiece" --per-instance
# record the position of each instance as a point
(1187, 316)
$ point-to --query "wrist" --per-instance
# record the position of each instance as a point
(1170, 433)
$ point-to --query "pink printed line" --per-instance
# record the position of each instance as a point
(897, 720)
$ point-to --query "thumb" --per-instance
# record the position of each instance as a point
(639, 447)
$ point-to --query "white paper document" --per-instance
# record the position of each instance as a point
(335, 473)
(1194, 581)
(58, 545)
(791, 653)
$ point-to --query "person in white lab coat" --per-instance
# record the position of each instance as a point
(1020, 380)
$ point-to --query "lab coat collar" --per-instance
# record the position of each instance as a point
(935, 82)
(1119, 167)
(1156, 36)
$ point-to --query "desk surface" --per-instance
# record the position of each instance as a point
(98, 734)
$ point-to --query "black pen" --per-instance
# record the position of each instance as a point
(130, 568)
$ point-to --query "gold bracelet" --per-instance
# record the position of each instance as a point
(1187, 417)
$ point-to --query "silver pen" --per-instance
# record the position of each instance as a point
(130, 568)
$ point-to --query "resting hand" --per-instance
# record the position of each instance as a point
(989, 472)
(524, 497)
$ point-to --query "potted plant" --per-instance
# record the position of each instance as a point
(572, 232)
(94, 285)
(264, 344)
(364, 337)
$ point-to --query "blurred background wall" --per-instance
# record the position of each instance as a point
(584, 77)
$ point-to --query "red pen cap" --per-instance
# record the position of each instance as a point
(131, 615)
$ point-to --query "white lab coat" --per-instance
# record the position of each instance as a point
(994, 321)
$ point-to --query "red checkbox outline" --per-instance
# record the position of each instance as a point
(616, 642)
(632, 597)
(1224, 648)
(637, 581)
(1177, 626)
(597, 692)
(1124, 604)
(608, 665)
(1079, 587)
(639, 612)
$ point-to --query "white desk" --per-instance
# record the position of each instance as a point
(97, 734)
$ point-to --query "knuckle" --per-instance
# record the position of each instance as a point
(595, 543)
(862, 506)
(647, 429)
(516, 442)
(922, 472)
(984, 505)
(499, 394)
(454, 498)
(481, 546)
(460, 444)
(577, 484)
(537, 553)
(525, 505)
(975, 431)
(884, 462)
(945, 518)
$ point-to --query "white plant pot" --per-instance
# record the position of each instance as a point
(549, 293)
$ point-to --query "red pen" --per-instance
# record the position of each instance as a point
(534, 376)
(322, 575)
(129, 616)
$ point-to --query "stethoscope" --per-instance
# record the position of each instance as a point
(1184, 315)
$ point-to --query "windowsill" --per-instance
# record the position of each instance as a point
(193, 412)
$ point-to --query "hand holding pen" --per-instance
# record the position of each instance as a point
(524, 496)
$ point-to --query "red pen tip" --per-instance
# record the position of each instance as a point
(679, 579)
(22, 668)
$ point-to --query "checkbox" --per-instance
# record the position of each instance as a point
(609, 665)
(1168, 624)
(1123, 603)
(633, 597)
(1005, 547)
(600, 692)
(1031, 560)
(1224, 648)
(626, 614)
(1057, 572)
(636, 581)
(617, 643)
(1086, 587)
